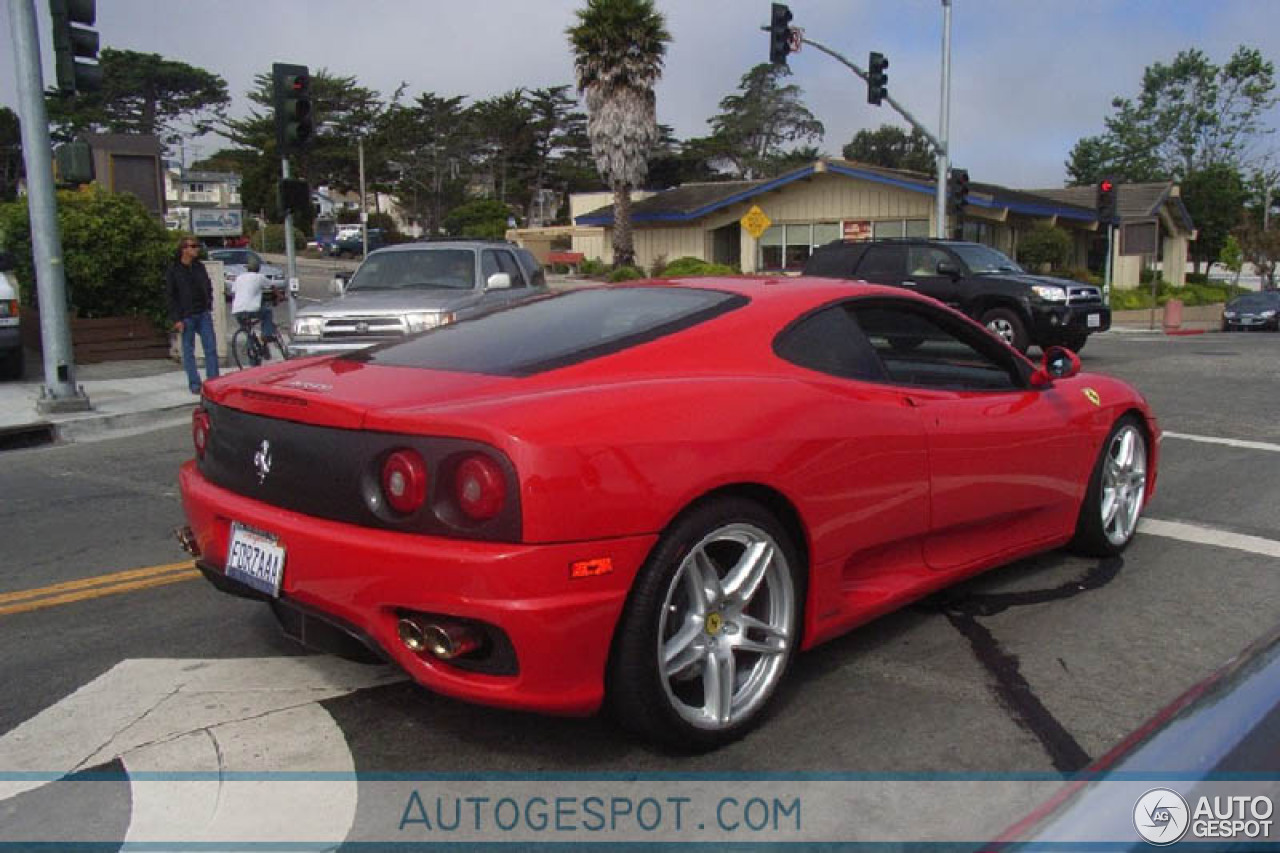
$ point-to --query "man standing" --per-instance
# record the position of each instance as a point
(190, 300)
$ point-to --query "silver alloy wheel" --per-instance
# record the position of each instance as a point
(1003, 328)
(727, 625)
(1124, 484)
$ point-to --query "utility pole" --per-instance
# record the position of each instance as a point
(944, 122)
(59, 392)
(364, 209)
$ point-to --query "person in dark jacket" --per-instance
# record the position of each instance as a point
(190, 300)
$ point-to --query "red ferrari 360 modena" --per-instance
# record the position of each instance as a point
(651, 496)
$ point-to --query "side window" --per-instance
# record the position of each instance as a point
(883, 262)
(489, 266)
(832, 262)
(536, 276)
(829, 341)
(918, 347)
(924, 260)
(507, 264)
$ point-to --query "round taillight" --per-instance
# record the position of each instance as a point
(479, 488)
(404, 481)
(200, 431)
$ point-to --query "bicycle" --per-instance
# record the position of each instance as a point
(250, 349)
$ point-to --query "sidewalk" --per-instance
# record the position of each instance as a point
(1195, 320)
(126, 396)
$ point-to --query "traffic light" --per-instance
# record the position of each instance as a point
(72, 41)
(294, 196)
(877, 78)
(957, 191)
(1107, 201)
(779, 34)
(291, 91)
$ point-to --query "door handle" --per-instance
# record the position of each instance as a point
(908, 283)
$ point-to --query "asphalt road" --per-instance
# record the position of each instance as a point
(1038, 666)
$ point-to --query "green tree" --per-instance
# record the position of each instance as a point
(1190, 115)
(1214, 197)
(1261, 248)
(755, 125)
(113, 248)
(674, 162)
(503, 128)
(558, 130)
(1232, 257)
(618, 48)
(891, 147)
(1044, 244)
(428, 143)
(142, 93)
(11, 167)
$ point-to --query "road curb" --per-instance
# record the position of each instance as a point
(119, 424)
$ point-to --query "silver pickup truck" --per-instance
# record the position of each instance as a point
(413, 287)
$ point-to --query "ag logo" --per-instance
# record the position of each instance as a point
(1161, 816)
(1093, 396)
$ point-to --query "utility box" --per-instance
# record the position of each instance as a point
(74, 161)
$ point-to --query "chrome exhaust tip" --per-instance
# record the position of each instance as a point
(187, 540)
(412, 635)
(449, 640)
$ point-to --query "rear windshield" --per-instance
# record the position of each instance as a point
(555, 332)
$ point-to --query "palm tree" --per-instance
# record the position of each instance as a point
(618, 48)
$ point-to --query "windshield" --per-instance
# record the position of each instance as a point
(452, 269)
(1264, 301)
(982, 259)
(230, 256)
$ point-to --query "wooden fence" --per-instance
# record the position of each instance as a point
(106, 339)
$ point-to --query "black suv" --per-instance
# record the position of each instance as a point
(1021, 308)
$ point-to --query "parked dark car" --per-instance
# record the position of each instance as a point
(984, 283)
(351, 243)
(1253, 311)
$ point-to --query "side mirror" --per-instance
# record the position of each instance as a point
(499, 281)
(948, 268)
(338, 285)
(6, 262)
(1058, 363)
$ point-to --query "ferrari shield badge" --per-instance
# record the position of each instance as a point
(1093, 396)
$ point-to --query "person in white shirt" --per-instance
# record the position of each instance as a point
(246, 298)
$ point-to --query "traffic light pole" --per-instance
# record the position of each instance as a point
(60, 392)
(944, 122)
(939, 145)
(289, 250)
(1106, 275)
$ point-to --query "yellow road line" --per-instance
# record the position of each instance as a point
(98, 580)
(100, 592)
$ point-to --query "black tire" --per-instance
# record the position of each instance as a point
(1092, 538)
(244, 349)
(1075, 341)
(1007, 324)
(709, 634)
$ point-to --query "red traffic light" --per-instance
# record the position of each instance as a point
(1106, 186)
(299, 83)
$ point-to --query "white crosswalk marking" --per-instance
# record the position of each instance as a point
(1200, 535)
(1226, 442)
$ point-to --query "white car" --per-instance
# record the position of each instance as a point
(235, 261)
(10, 329)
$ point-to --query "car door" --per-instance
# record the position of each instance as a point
(863, 480)
(923, 275)
(884, 264)
(501, 260)
(1005, 459)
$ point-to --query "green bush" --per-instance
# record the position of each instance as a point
(1045, 244)
(593, 267)
(483, 218)
(625, 274)
(1197, 278)
(114, 254)
(689, 267)
(1080, 274)
(1191, 295)
(275, 239)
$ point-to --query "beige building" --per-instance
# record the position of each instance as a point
(837, 199)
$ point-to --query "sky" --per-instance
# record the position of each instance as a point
(1028, 77)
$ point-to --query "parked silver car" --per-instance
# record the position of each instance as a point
(10, 332)
(235, 261)
(413, 287)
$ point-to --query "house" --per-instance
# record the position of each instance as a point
(206, 204)
(838, 199)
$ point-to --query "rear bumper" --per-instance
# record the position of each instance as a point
(10, 338)
(359, 580)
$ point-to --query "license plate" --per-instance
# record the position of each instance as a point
(256, 559)
(1095, 321)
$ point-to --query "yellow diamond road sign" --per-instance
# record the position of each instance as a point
(755, 222)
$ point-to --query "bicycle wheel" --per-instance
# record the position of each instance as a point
(278, 345)
(242, 348)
